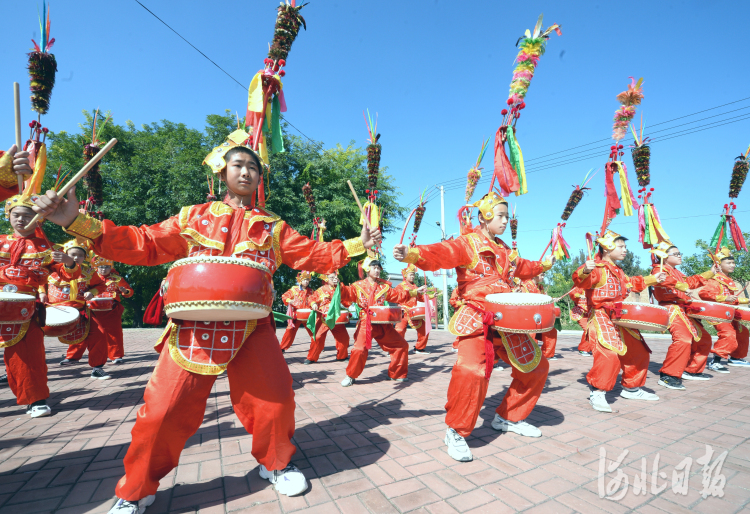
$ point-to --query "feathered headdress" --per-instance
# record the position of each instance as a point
(511, 173)
(42, 66)
(577, 195)
(739, 173)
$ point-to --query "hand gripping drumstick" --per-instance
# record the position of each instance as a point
(78, 176)
(19, 144)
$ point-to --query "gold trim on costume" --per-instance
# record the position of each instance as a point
(85, 226)
(277, 226)
(204, 369)
(214, 304)
(7, 177)
(650, 280)
(523, 368)
(18, 338)
(708, 275)
(354, 247)
(412, 256)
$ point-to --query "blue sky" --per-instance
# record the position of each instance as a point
(437, 74)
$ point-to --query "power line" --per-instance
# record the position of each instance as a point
(317, 143)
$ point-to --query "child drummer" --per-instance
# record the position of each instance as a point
(484, 265)
(259, 378)
(615, 347)
(370, 292)
(109, 323)
(75, 293)
(687, 355)
(321, 302)
(26, 259)
(298, 297)
(409, 273)
(733, 338)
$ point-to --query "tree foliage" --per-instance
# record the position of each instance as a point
(156, 169)
(700, 262)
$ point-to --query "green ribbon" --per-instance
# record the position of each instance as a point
(311, 321)
(334, 311)
(280, 317)
(717, 233)
(515, 159)
(277, 142)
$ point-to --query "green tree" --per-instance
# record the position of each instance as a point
(700, 262)
(156, 169)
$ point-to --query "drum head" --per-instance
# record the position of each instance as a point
(518, 298)
(61, 315)
(15, 297)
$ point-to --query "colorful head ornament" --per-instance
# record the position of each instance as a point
(659, 252)
(304, 275)
(487, 203)
(607, 241)
(369, 261)
(215, 159)
(101, 261)
(411, 268)
(720, 255)
(17, 201)
(74, 243)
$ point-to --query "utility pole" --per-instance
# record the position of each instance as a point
(445, 272)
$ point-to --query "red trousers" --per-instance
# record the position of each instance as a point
(686, 354)
(389, 340)
(549, 342)
(607, 364)
(401, 327)
(109, 323)
(291, 331)
(468, 387)
(585, 345)
(95, 343)
(743, 338)
(340, 335)
(260, 388)
(727, 343)
(26, 367)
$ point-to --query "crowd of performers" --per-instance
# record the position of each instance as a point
(193, 352)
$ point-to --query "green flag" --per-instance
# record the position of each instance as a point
(334, 311)
(280, 317)
(312, 320)
(720, 232)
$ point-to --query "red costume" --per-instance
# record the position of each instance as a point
(296, 298)
(25, 264)
(406, 321)
(109, 323)
(733, 337)
(580, 315)
(321, 302)
(549, 338)
(59, 292)
(615, 347)
(193, 353)
(691, 342)
(484, 266)
(366, 293)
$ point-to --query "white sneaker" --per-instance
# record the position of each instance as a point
(742, 363)
(553, 358)
(118, 360)
(288, 481)
(498, 367)
(717, 367)
(457, 447)
(420, 352)
(99, 374)
(137, 507)
(40, 411)
(455, 350)
(347, 382)
(639, 394)
(598, 401)
(518, 427)
(695, 376)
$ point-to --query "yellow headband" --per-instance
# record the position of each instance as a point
(215, 159)
(17, 201)
(720, 255)
(607, 241)
(101, 261)
(303, 275)
(487, 203)
(660, 250)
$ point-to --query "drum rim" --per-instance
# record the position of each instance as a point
(546, 302)
(648, 305)
(222, 304)
(208, 259)
(523, 331)
(711, 318)
(646, 324)
(29, 298)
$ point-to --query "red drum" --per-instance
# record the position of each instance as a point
(742, 314)
(382, 314)
(417, 313)
(218, 289)
(16, 307)
(343, 317)
(61, 320)
(558, 312)
(711, 311)
(302, 314)
(643, 316)
(101, 303)
(521, 313)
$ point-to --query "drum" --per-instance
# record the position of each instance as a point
(16, 307)
(417, 313)
(711, 311)
(302, 314)
(382, 314)
(343, 317)
(521, 313)
(218, 289)
(100, 303)
(643, 316)
(61, 320)
(742, 314)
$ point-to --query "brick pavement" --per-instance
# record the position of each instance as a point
(377, 446)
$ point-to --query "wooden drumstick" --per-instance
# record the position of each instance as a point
(356, 198)
(19, 145)
(78, 176)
